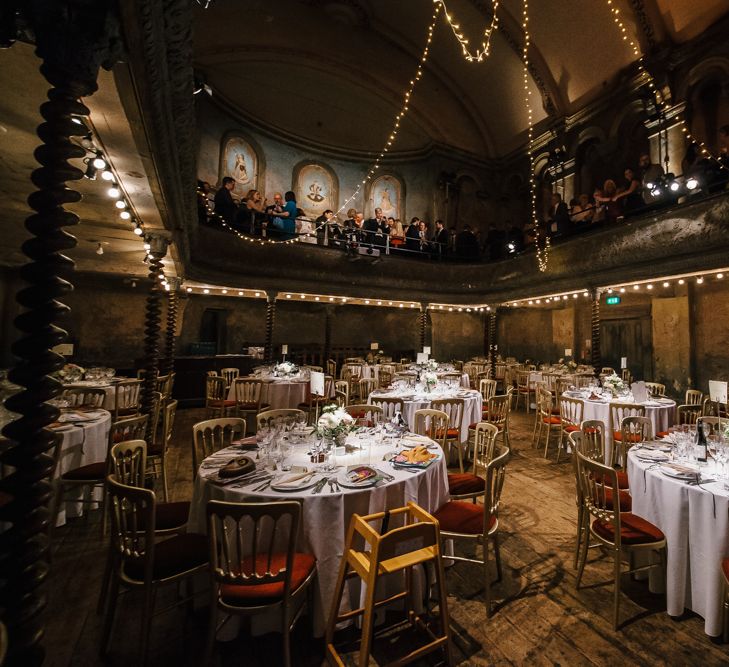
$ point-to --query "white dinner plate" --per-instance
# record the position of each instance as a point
(652, 455)
(345, 483)
(676, 474)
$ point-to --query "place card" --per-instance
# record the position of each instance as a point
(374, 346)
(426, 350)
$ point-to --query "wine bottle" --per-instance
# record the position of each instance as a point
(701, 444)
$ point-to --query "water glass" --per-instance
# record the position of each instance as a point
(286, 450)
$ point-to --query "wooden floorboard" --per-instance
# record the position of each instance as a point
(539, 617)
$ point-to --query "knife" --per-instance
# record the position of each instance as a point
(320, 485)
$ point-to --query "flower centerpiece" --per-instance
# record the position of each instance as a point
(429, 379)
(613, 382)
(285, 369)
(572, 364)
(70, 373)
(334, 424)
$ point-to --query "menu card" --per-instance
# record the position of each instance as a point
(422, 358)
(316, 383)
(640, 393)
(717, 391)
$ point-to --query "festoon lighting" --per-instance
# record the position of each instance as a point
(484, 51)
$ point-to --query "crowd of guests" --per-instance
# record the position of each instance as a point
(644, 188)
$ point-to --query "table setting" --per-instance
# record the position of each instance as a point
(334, 471)
(688, 499)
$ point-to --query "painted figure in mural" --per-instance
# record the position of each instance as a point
(315, 193)
(240, 172)
(388, 208)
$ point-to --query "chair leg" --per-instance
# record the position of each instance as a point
(546, 444)
(165, 491)
(497, 556)
(583, 556)
(616, 600)
(149, 596)
(368, 621)
(336, 601)
(55, 508)
(286, 637)
(580, 530)
(110, 613)
(486, 576)
(104, 509)
(212, 627)
(108, 568)
(459, 447)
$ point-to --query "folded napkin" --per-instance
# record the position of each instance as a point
(294, 480)
(245, 443)
(651, 455)
(678, 469)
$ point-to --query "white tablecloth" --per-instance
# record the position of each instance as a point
(81, 445)
(280, 394)
(109, 391)
(660, 414)
(325, 517)
(472, 409)
(697, 539)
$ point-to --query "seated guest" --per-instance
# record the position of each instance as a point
(583, 210)
(412, 235)
(632, 194)
(440, 240)
(224, 205)
(559, 216)
(609, 202)
(284, 221)
(467, 244)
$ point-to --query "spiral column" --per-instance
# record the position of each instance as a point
(493, 346)
(422, 327)
(270, 322)
(24, 542)
(486, 322)
(152, 327)
(167, 364)
(328, 313)
(595, 355)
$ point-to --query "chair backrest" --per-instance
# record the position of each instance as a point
(713, 424)
(458, 365)
(213, 434)
(214, 388)
(687, 414)
(157, 402)
(132, 512)
(487, 388)
(431, 423)
(410, 378)
(389, 405)
(229, 374)
(340, 398)
(126, 397)
(483, 375)
(545, 402)
(248, 392)
(575, 439)
(331, 367)
(498, 410)
(570, 411)
(164, 385)
(550, 380)
(564, 382)
(212, 373)
(366, 387)
(350, 371)
(495, 474)
(522, 379)
(86, 397)
(247, 541)
(633, 430)
(626, 376)
(368, 413)
(607, 370)
(129, 462)
(265, 418)
(596, 482)
(384, 378)
(314, 369)
(592, 442)
(342, 386)
(693, 397)
(583, 381)
(619, 411)
(453, 407)
(133, 428)
(168, 423)
(484, 445)
(656, 388)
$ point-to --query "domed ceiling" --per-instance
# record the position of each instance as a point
(333, 72)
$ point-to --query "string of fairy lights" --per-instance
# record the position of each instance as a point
(485, 48)
(657, 95)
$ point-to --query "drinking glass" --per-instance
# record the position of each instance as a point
(286, 450)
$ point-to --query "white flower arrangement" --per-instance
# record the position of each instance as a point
(572, 364)
(613, 382)
(285, 369)
(430, 379)
(334, 421)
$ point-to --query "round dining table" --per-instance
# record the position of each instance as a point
(281, 393)
(413, 400)
(326, 515)
(695, 520)
(85, 440)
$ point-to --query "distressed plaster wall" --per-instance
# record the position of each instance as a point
(710, 328)
(671, 343)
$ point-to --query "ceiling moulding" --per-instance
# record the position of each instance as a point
(393, 156)
(158, 36)
(688, 239)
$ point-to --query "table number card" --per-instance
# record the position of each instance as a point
(640, 393)
(717, 391)
(316, 383)
(623, 362)
(426, 350)
(422, 358)
(374, 346)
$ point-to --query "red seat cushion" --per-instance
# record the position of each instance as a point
(460, 483)
(633, 530)
(458, 516)
(551, 420)
(571, 428)
(626, 502)
(635, 437)
(217, 403)
(253, 594)
(173, 556)
(725, 568)
(90, 472)
(252, 405)
(450, 433)
(662, 434)
(623, 482)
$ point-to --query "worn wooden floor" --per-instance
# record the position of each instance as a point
(540, 619)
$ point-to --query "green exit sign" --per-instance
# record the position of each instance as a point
(612, 300)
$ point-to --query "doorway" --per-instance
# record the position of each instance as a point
(630, 338)
(213, 328)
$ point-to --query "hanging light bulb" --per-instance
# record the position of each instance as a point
(120, 203)
(113, 192)
(125, 215)
(107, 175)
(138, 229)
(99, 162)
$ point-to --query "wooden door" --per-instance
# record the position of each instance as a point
(631, 338)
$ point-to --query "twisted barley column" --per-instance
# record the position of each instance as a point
(486, 322)
(24, 542)
(492, 343)
(422, 323)
(595, 356)
(270, 321)
(152, 330)
(327, 336)
(168, 363)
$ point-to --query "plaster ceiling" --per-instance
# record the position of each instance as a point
(334, 71)
(99, 220)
